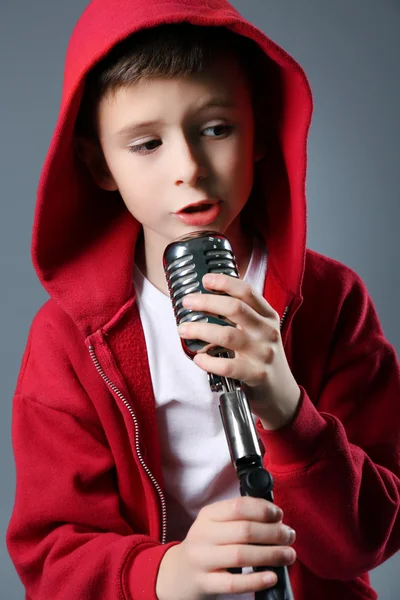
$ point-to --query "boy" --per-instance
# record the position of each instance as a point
(180, 117)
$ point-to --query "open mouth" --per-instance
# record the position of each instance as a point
(196, 208)
(203, 213)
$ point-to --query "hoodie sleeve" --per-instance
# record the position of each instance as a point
(67, 537)
(337, 465)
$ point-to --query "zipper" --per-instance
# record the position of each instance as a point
(120, 395)
(285, 312)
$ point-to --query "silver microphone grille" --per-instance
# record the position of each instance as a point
(185, 263)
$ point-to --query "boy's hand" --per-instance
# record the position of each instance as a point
(260, 361)
(225, 535)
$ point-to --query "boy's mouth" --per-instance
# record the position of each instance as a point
(196, 208)
(199, 213)
(201, 206)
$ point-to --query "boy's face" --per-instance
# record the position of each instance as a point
(187, 153)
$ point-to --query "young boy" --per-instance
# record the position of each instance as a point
(180, 117)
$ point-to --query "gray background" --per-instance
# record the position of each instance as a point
(350, 51)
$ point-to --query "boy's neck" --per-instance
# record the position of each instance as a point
(150, 262)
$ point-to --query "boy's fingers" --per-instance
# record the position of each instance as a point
(239, 368)
(226, 583)
(245, 555)
(238, 288)
(250, 532)
(236, 310)
(242, 508)
(228, 337)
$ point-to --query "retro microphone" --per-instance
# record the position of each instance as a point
(185, 262)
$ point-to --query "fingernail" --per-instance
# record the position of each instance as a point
(270, 578)
(182, 329)
(288, 555)
(187, 302)
(209, 279)
(290, 535)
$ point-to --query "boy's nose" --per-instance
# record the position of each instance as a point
(188, 165)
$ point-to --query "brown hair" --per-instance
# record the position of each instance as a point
(169, 50)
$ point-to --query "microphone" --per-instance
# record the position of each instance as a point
(185, 263)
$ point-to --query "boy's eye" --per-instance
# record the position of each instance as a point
(219, 129)
(146, 147)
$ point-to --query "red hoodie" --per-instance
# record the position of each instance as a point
(89, 520)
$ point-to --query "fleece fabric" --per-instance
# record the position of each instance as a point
(90, 520)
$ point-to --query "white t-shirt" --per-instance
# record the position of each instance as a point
(196, 463)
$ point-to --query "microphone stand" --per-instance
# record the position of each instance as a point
(246, 458)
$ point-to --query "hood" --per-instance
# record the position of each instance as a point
(83, 244)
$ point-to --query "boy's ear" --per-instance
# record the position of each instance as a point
(91, 154)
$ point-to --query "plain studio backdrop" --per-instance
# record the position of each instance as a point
(350, 52)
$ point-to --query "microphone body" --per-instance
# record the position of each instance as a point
(185, 263)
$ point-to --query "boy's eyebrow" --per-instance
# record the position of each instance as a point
(134, 127)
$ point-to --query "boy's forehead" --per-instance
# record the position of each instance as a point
(222, 83)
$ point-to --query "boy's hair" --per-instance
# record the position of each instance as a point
(170, 50)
